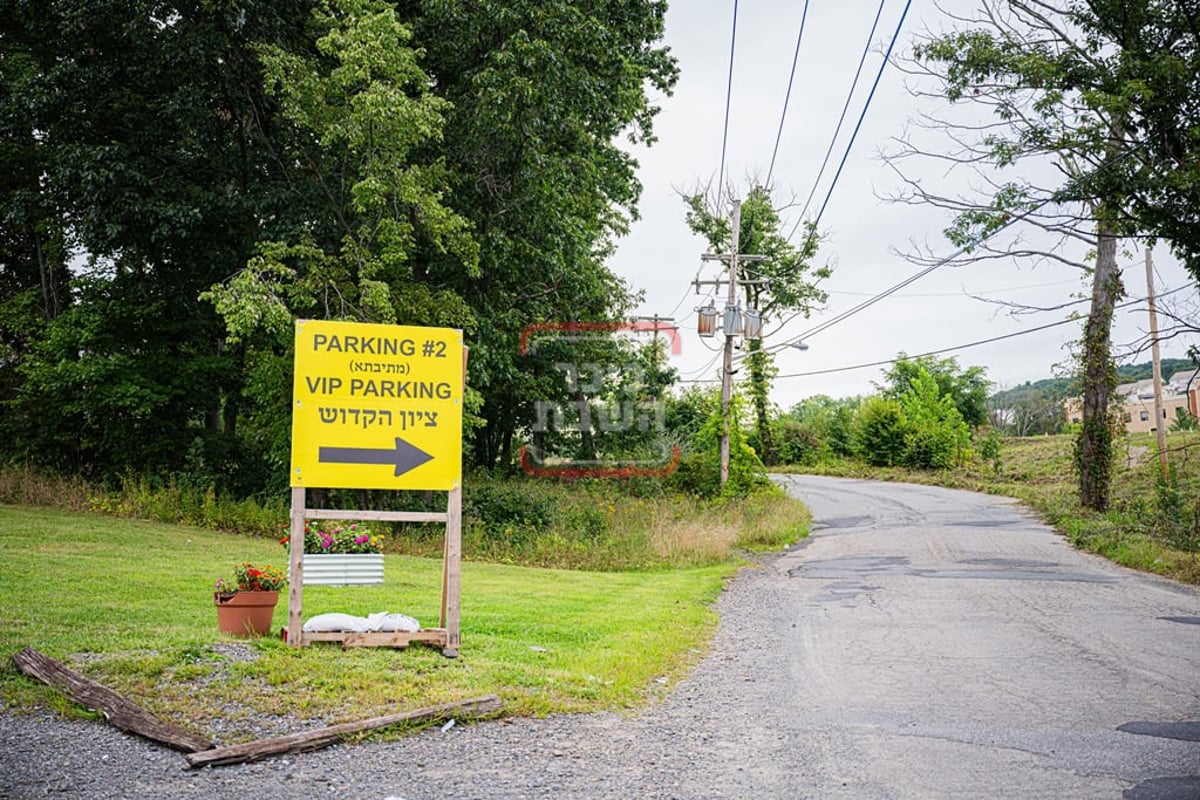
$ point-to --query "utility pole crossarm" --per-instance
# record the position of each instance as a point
(726, 257)
(723, 281)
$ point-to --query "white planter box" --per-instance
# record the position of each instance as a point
(355, 569)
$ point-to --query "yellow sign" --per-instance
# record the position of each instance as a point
(377, 406)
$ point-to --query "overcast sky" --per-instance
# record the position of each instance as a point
(661, 256)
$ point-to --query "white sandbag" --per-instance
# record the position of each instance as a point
(336, 622)
(391, 623)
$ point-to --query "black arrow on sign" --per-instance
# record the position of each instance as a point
(403, 456)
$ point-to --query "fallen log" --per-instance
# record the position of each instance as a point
(323, 737)
(120, 711)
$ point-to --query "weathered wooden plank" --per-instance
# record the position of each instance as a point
(120, 711)
(296, 568)
(436, 636)
(313, 740)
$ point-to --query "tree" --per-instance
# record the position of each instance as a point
(370, 238)
(444, 163)
(540, 90)
(1058, 91)
(1027, 411)
(130, 125)
(830, 421)
(1146, 54)
(966, 388)
(785, 280)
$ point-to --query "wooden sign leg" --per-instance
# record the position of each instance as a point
(452, 574)
(296, 582)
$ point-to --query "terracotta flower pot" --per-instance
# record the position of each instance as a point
(245, 613)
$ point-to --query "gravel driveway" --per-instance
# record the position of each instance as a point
(922, 643)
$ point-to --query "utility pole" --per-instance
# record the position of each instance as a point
(1160, 426)
(732, 323)
(727, 369)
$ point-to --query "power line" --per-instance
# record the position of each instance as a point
(868, 302)
(845, 107)
(728, 99)
(930, 352)
(861, 116)
(788, 96)
(1012, 220)
(966, 346)
(682, 300)
(708, 365)
(960, 293)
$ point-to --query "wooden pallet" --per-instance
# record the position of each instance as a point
(438, 637)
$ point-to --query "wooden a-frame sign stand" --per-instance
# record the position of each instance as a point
(363, 366)
(447, 635)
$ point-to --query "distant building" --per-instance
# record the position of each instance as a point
(1181, 381)
(1136, 399)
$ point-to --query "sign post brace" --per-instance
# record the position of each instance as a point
(448, 634)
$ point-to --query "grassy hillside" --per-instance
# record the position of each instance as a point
(1068, 387)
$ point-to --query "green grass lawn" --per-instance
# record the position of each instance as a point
(129, 603)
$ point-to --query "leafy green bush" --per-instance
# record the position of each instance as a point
(830, 422)
(989, 449)
(879, 432)
(796, 443)
(1177, 518)
(931, 447)
(936, 436)
(840, 432)
(699, 472)
(511, 509)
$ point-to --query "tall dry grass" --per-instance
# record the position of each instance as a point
(22, 486)
(592, 526)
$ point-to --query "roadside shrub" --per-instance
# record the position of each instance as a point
(830, 423)
(699, 474)
(840, 434)
(796, 443)
(879, 432)
(508, 509)
(699, 470)
(936, 436)
(989, 449)
(931, 447)
(1177, 518)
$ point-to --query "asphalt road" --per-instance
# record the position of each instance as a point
(922, 643)
(946, 643)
